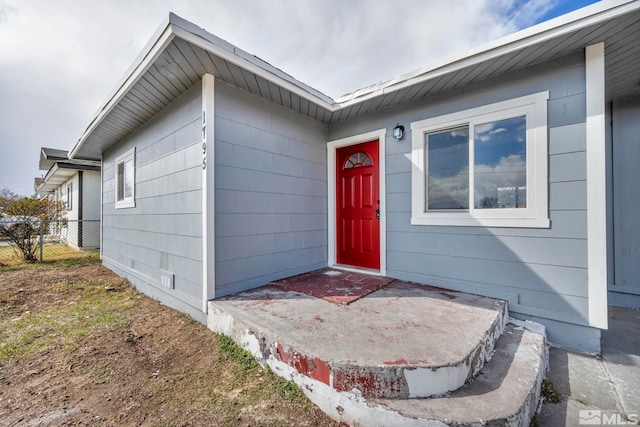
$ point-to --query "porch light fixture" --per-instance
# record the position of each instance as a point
(398, 132)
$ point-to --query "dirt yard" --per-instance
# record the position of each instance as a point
(79, 346)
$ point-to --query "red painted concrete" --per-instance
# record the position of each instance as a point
(370, 382)
(336, 286)
(311, 367)
(396, 362)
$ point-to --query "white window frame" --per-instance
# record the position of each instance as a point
(126, 202)
(536, 214)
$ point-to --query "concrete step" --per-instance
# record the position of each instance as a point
(505, 393)
(403, 341)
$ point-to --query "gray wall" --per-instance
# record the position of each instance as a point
(164, 230)
(541, 272)
(91, 209)
(91, 195)
(271, 191)
(625, 287)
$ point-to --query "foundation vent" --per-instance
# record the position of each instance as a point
(167, 279)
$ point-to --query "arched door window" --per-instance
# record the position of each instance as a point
(357, 160)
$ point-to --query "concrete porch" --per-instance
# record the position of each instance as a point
(371, 350)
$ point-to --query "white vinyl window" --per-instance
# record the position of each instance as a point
(486, 166)
(126, 180)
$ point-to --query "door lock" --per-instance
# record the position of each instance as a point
(378, 213)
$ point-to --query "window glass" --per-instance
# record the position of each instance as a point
(120, 180)
(448, 169)
(357, 160)
(125, 180)
(500, 164)
(128, 179)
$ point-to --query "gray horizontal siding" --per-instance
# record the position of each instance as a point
(182, 224)
(237, 202)
(541, 272)
(536, 250)
(176, 203)
(148, 259)
(271, 192)
(538, 277)
(252, 224)
(243, 247)
(174, 244)
(259, 270)
(164, 230)
(566, 225)
(235, 178)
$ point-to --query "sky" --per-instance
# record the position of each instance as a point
(60, 59)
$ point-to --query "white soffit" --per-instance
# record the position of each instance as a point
(60, 172)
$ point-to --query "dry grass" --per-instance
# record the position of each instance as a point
(10, 257)
(73, 352)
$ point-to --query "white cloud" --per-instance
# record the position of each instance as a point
(59, 60)
(511, 171)
(452, 192)
(449, 192)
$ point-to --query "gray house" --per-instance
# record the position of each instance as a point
(509, 172)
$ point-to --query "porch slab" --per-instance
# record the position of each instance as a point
(400, 341)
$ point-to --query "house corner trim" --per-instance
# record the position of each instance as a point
(596, 186)
(208, 193)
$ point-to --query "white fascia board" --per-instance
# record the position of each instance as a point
(50, 173)
(157, 44)
(47, 186)
(55, 178)
(200, 38)
(565, 24)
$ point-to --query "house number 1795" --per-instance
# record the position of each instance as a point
(204, 140)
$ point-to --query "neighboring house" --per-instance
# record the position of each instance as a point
(75, 183)
(516, 177)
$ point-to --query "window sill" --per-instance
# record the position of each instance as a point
(469, 221)
(126, 204)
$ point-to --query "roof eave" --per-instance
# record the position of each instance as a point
(48, 156)
(59, 168)
(557, 27)
(161, 38)
(199, 37)
(173, 27)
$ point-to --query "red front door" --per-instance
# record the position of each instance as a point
(358, 206)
